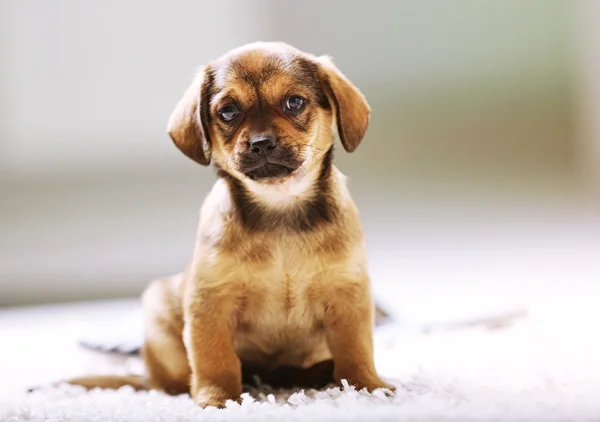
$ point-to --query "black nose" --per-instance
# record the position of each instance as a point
(262, 144)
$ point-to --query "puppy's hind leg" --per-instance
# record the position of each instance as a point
(164, 353)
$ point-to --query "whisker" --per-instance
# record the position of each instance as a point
(308, 146)
(230, 161)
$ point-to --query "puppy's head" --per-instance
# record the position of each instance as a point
(267, 111)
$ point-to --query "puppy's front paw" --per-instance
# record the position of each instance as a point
(370, 382)
(214, 396)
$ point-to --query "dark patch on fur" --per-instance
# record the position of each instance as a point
(253, 252)
(303, 121)
(206, 94)
(317, 376)
(314, 212)
(310, 73)
(227, 131)
(271, 67)
(287, 300)
(338, 116)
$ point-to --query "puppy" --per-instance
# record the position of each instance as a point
(277, 285)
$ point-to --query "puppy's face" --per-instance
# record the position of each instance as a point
(266, 112)
(269, 114)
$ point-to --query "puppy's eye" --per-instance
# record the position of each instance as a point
(228, 113)
(295, 104)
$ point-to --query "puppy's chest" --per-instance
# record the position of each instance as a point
(278, 303)
(281, 289)
(279, 321)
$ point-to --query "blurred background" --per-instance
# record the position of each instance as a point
(478, 181)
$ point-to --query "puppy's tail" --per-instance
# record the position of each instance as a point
(111, 382)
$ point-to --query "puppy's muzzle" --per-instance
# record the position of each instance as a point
(267, 158)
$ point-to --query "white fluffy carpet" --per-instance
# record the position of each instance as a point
(545, 367)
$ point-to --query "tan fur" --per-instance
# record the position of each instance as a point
(275, 296)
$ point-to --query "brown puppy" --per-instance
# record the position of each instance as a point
(278, 283)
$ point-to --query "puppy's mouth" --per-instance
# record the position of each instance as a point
(273, 166)
(269, 170)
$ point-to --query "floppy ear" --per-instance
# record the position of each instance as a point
(188, 124)
(351, 107)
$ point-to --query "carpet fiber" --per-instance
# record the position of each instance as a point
(544, 367)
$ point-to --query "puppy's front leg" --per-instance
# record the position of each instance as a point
(216, 368)
(349, 321)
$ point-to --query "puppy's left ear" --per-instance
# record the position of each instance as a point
(351, 107)
(188, 124)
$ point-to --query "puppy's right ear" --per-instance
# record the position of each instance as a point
(188, 124)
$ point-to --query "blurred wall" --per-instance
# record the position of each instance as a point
(473, 117)
(588, 93)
